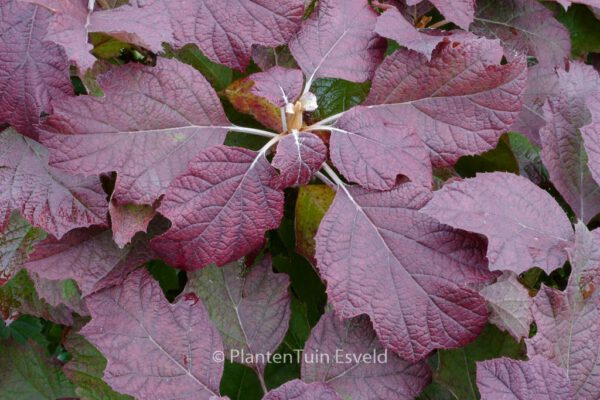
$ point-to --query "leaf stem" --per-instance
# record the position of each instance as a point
(261, 379)
(338, 181)
(251, 131)
(327, 120)
(325, 179)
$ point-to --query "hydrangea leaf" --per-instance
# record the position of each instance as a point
(510, 305)
(298, 390)
(336, 96)
(506, 379)
(89, 257)
(311, 205)
(48, 198)
(411, 275)
(460, 102)
(155, 349)
(129, 219)
(370, 148)
(32, 71)
(150, 123)
(567, 3)
(386, 378)
(458, 11)
(267, 57)
(524, 225)
(563, 151)
(584, 255)
(85, 370)
(392, 25)
(338, 41)
(591, 132)
(220, 208)
(27, 372)
(524, 26)
(299, 155)
(251, 309)
(241, 95)
(278, 85)
(15, 245)
(59, 293)
(568, 334)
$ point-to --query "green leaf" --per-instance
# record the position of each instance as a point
(584, 29)
(22, 329)
(240, 383)
(499, 159)
(168, 278)
(219, 76)
(456, 368)
(85, 370)
(28, 373)
(337, 95)
(312, 204)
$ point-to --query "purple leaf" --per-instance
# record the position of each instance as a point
(507, 379)
(338, 41)
(392, 25)
(333, 342)
(150, 123)
(563, 151)
(278, 85)
(584, 255)
(524, 26)
(298, 157)
(220, 208)
(32, 72)
(524, 225)
(458, 11)
(568, 334)
(298, 390)
(155, 350)
(15, 245)
(411, 275)
(88, 256)
(541, 83)
(45, 196)
(460, 102)
(251, 309)
(59, 293)
(591, 138)
(371, 148)
(510, 305)
(129, 219)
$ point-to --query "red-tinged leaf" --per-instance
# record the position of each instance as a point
(129, 219)
(524, 225)
(392, 25)
(507, 379)
(59, 293)
(591, 139)
(372, 149)
(298, 390)
(563, 151)
(89, 257)
(348, 356)
(510, 305)
(150, 123)
(15, 246)
(45, 196)
(312, 203)
(220, 208)
(32, 71)
(460, 102)
(266, 57)
(241, 95)
(278, 85)
(584, 255)
(541, 83)
(251, 309)
(73, 21)
(458, 11)
(568, 334)
(155, 350)
(338, 41)
(524, 26)
(298, 157)
(411, 275)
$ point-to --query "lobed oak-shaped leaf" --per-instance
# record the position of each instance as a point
(568, 334)
(338, 41)
(89, 257)
(32, 71)
(510, 305)
(149, 125)
(155, 350)
(411, 275)
(371, 148)
(251, 309)
(278, 85)
(337, 351)
(507, 379)
(298, 390)
(563, 150)
(45, 196)
(299, 155)
(524, 225)
(524, 26)
(460, 102)
(129, 219)
(220, 208)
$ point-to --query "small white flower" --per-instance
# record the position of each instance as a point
(309, 101)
